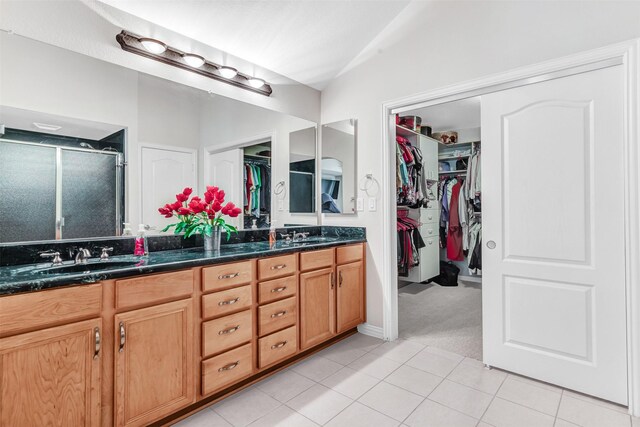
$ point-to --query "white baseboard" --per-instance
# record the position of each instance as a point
(475, 279)
(372, 331)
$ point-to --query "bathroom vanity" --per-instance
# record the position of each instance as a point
(153, 342)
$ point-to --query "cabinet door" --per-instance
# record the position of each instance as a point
(153, 362)
(350, 300)
(52, 377)
(317, 307)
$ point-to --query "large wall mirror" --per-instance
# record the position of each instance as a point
(302, 171)
(338, 167)
(79, 158)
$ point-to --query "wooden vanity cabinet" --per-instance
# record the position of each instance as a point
(134, 351)
(153, 363)
(52, 376)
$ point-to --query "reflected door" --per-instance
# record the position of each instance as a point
(553, 213)
(165, 173)
(225, 171)
(90, 192)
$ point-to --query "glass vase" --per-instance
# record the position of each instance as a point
(212, 243)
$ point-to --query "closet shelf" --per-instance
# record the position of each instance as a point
(403, 131)
(459, 171)
(464, 156)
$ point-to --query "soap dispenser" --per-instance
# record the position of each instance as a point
(141, 245)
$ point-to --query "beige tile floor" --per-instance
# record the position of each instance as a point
(363, 381)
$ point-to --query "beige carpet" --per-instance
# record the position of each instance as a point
(449, 318)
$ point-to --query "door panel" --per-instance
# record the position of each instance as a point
(225, 171)
(165, 172)
(51, 377)
(317, 307)
(350, 296)
(553, 203)
(154, 371)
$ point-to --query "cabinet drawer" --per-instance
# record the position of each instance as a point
(277, 347)
(221, 334)
(316, 259)
(224, 276)
(226, 369)
(428, 216)
(346, 254)
(279, 266)
(156, 288)
(223, 302)
(277, 289)
(428, 231)
(36, 310)
(277, 315)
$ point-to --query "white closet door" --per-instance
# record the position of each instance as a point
(164, 172)
(225, 171)
(553, 238)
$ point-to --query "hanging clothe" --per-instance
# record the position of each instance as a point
(454, 235)
(257, 188)
(409, 243)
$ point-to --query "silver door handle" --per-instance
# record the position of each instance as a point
(123, 337)
(491, 244)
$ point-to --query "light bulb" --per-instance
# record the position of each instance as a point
(227, 72)
(153, 46)
(255, 82)
(193, 59)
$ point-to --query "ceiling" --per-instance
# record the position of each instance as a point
(309, 41)
(462, 114)
(17, 118)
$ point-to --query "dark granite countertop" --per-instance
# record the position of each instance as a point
(31, 277)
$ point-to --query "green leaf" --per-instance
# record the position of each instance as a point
(208, 230)
(168, 227)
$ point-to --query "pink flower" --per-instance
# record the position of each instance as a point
(181, 197)
(184, 211)
(235, 212)
(187, 191)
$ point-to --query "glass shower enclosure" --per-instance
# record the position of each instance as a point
(52, 192)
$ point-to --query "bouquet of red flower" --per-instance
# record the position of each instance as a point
(200, 216)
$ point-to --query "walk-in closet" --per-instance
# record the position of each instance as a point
(439, 224)
(257, 186)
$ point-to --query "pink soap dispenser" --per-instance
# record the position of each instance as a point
(141, 246)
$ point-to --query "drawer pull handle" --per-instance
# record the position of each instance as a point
(340, 274)
(229, 302)
(332, 281)
(229, 331)
(229, 367)
(278, 267)
(228, 276)
(280, 289)
(279, 314)
(279, 345)
(123, 337)
(98, 342)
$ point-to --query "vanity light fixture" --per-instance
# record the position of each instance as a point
(255, 82)
(155, 49)
(153, 45)
(193, 60)
(227, 72)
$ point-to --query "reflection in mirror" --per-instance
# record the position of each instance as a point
(64, 180)
(338, 183)
(302, 171)
(257, 186)
(59, 186)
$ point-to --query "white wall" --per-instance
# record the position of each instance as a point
(435, 44)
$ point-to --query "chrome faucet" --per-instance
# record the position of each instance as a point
(55, 257)
(299, 236)
(82, 255)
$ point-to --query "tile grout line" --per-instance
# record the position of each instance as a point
(491, 402)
